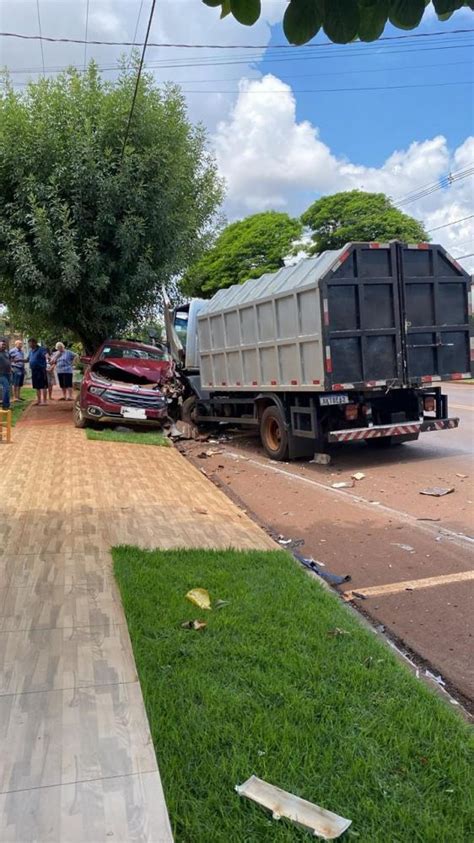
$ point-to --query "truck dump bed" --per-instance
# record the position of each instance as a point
(363, 316)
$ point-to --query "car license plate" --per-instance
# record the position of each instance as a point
(328, 400)
(133, 412)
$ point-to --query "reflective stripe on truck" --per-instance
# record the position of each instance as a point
(377, 431)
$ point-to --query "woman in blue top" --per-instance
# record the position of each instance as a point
(63, 360)
(37, 361)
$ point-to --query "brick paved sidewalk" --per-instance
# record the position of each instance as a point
(77, 761)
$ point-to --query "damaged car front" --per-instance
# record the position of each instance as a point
(126, 382)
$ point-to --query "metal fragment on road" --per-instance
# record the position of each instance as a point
(323, 823)
(437, 491)
(312, 565)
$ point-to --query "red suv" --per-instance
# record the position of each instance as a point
(123, 383)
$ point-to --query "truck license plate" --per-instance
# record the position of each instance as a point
(328, 400)
(133, 412)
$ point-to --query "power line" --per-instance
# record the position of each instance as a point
(448, 224)
(136, 29)
(85, 37)
(40, 36)
(219, 46)
(139, 73)
(444, 182)
(461, 257)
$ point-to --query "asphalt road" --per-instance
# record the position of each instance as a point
(413, 553)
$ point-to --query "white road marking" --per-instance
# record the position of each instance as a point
(460, 538)
(410, 585)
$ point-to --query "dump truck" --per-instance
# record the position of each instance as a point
(349, 345)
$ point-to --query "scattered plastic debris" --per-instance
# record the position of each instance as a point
(197, 625)
(338, 631)
(219, 604)
(290, 542)
(462, 476)
(407, 547)
(321, 822)
(200, 510)
(281, 540)
(428, 519)
(213, 451)
(316, 567)
(200, 597)
(438, 679)
(437, 491)
(345, 484)
(321, 459)
(358, 475)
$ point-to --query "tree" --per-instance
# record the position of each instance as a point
(89, 231)
(356, 215)
(244, 249)
(341, 20)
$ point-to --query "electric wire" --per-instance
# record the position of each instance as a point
(85, 39)
(40, 36)
(139, 73)
(448, 224)
(136, 29)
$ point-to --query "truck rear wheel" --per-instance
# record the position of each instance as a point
(273, 433)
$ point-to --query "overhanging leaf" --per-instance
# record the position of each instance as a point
(212, 3)
(302, 21)
(373, 17)
(225, 8)
(341, 20)
(447, 7)
(406, 14)
(245, 11)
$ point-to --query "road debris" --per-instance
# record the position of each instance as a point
(437, 491)
(219, 604)
(290, 542)
(338, 631)
(200, 510)
(197, 625)
(407, 547)
(358, 475)
(213, 451)
(426, 518)
(321, 822)
(462, 476)
(321, 459)
(316, 567)
(345, 484)
(438, 679)
(282, 540)
(200, 597)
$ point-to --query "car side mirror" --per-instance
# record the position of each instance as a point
(84, 359)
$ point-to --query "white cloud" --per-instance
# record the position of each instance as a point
(270, 160)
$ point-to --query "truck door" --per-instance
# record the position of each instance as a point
(434, 313)
(362, 317)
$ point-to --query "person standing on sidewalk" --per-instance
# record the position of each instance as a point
(17, 359)
(63, 360)
(39, 379)
(5, 375)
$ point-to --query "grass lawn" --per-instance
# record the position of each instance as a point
(269, 689)
(147, 437)
(18, 408)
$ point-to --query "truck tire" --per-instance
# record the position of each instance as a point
(78, 415)
(273, 433)
(188, 409)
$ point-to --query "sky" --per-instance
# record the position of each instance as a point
(288, 125)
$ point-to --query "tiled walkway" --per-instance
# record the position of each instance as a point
(76, 761)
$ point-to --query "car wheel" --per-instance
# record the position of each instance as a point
(78, 415)
(273, 433)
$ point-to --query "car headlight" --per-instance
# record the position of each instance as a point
(96, 390)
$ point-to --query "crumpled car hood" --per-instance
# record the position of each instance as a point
(130, 370)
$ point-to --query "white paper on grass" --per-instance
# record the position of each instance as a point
(321, 822)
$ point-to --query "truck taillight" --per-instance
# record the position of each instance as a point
(429, 403)
(351, 411)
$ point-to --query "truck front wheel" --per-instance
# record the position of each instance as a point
(273, 433)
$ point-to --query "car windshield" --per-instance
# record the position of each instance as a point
(119, 352)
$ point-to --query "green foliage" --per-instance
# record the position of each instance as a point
(131, 437)
(269, 688)
(342, 20)
(245, 249)
(356, 215)
(88, 237)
